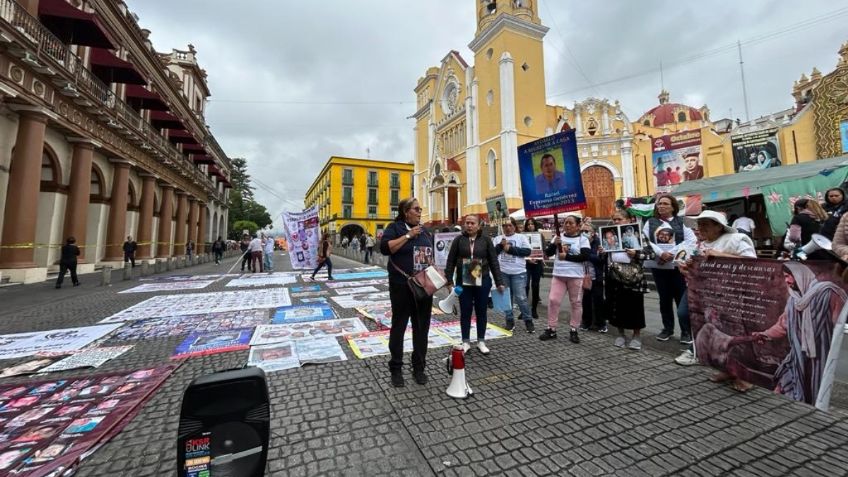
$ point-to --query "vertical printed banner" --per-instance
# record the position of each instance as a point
(443, 241)
(550, 175)
(677, 158)
(769, 322)
(843, 133)
(497, 209)
(302, 236)
(755, 150)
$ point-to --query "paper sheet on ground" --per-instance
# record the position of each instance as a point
(60, 341)
(87, 358)
(266, 334)
(191, 303)
(303, 313)
(170, 286)
(199, 344)
(375, 343)
(181, 325)
(261, 280)
(356, 301)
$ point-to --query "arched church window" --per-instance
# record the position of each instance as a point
(646, 122)
(491, 159)
(96, 191)
(681, 117)
(49, 168)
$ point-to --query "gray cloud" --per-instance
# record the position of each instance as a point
(329, 55)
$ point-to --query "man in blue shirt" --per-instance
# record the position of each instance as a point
(550, 180)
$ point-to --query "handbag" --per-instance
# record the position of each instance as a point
(587, 276)
(425, 283)
(629, 274)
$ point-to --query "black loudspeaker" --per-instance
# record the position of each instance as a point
(225, 425)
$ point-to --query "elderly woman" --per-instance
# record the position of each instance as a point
(402, 240)
(468, 252)
(570, 251)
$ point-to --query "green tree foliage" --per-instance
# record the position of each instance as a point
(243, 207)
(241, 225)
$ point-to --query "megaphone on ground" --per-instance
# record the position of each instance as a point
(458, 387)
(818, 242)
(450, 304)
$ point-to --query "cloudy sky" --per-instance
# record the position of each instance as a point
(294, 82)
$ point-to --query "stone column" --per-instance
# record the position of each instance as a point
(201, 230)
(180, 234)
(166, 212)
(79, 192)
(20, 221)
(145, 217)
(192, 221)
(117, 212)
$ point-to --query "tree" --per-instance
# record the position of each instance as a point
(243, 207)
(242, 225)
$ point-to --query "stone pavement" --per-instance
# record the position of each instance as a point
(549, 408)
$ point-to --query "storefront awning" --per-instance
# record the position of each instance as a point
(73, 26)
(111, 69)
(142, 98)
(165, 120)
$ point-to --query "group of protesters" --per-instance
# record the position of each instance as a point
(257, 253)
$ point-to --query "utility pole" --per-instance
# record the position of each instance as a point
(744, 87)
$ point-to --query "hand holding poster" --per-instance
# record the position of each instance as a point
(550, 175)
(302, 236)
(443, 244)
(497, 209)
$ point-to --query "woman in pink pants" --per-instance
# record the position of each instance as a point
(570, 251)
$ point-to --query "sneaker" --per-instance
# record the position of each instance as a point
(664, 335)
(686, 359)
(419, 376)
(548, 334)
(397, 379)
(635, 344)
(466, 345)
(685, 338)
(531, 328)
(510, 325)
(572, 336)
(584, 328)
(620, 342)
(603, 329)
(481, 345)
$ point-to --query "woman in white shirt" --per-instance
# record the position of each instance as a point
(570, 250)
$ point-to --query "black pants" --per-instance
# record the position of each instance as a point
(129, 257)
(64, 268)
(405, 308)
(245, 260)
(670, 287)
(368, 252)
(329, 265)
(218, 256)
(594, 308)
(534, 275)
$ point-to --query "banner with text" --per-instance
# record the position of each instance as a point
(443, 245)
(755, 150)
(768, 322)
(302, 236)
(551, 182)
(676, 159)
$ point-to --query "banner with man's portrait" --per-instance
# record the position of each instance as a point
(769, 322)
(551, 182)
(756, 150)
(676, 158)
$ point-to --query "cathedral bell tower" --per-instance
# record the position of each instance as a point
(508, 91)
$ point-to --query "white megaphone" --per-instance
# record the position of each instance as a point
(817, 242)
(458, 387)
(449, 304)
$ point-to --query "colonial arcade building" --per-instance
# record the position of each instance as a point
(100, 137)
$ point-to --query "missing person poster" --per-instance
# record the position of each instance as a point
(551, 182)
(756, 150)
(769, 322)
(443, 244)
(302, 237)
(677, 158)
(497, 209)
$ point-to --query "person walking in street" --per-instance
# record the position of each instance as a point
(535, 268)
(325, 250)
(404, 241)
(594, 311)
(369, 247)
(190, 249)
(218, 247)
(68, 262)
(255, 249)
(472, 256)
(625, 289)
(268, 244)
(130, 246)
(244, 246)
(570, 250)
(512, 248)
(669, 282)
(362, 243)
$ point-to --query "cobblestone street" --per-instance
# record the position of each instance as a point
(537, 409)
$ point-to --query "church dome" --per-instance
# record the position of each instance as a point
(669, 113)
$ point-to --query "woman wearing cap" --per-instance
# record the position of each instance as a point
(671, 287)
(718, 240)
(570, 251)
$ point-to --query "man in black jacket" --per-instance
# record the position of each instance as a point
(68, 262)
(130, 247)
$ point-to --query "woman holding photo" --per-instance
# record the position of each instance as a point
(625, 281)
(535, 268)
(473, 250)
(570, 250)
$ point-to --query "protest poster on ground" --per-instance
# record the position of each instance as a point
(550, 175)
(303, 313)
(356, 301)
(62, 341)
(169, 286)
(676, 158)
(182, 325)
(87, 358)
(313, 300)
(443, 241)
(375, 343)
(301, 295)
(337, 276)
(303, 237)
(319, 350)
(29, 367)
(262, 280)
(768, 322)
(305, 288)
(497, 210)
(191, 303)
(755, 150)
(48, 426)
(274, 357)
(199, 344)
(356, 290)
(267, 334)
(356, 283)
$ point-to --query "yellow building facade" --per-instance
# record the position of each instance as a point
(356, 196)
(470, 119)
